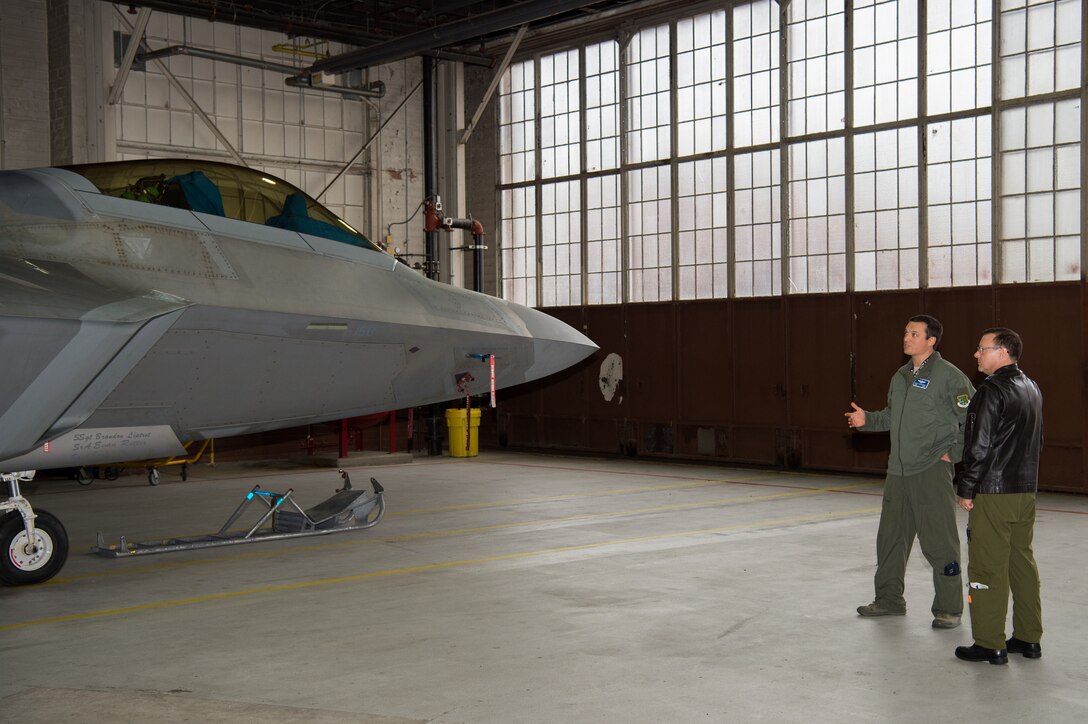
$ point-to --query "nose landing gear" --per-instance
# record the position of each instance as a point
(34, 545)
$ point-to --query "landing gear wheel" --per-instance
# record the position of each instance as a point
(112, 473)
(184, 472)
(153, 476)
(24, 564)
(84, 476)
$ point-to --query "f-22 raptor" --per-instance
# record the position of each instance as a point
(145, 304)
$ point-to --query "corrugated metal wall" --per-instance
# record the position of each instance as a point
(767, 381)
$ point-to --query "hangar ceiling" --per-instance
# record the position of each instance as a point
(386, 30)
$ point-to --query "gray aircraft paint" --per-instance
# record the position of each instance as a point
(128, 317)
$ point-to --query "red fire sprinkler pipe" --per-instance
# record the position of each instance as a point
(434, 222)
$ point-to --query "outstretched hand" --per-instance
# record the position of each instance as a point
(856, 418)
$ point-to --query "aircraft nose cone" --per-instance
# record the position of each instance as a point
(556, 344)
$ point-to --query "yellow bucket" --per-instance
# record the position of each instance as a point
(455, 424)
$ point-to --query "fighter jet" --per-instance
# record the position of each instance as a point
(146, 304)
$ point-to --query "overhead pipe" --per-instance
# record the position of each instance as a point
(172, 50)
(434, 222)
(449, 34)
(374, 90)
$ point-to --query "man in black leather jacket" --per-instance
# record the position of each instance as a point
(1003, 437)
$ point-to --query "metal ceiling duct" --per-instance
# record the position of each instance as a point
(373, 90)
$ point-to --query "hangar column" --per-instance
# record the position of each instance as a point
(451, 166)
(430, 163)
(430, 190)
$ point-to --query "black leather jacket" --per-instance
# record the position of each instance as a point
(1003, 436)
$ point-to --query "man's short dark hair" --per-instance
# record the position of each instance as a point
(933, 326)
(1005, 337)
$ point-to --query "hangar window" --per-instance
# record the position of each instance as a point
(960, 213)
(1039, 135)
(702, 225)
(1040, 202)
(886, 209)
(885, 61)
(774, 148)
(817, 216)
(560, 216)
(519, 245)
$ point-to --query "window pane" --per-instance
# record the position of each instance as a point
(518, 244)
(886, 201)
(1040, 209)
(755, 73)
(560, 244)
(649, 239)
(758, 246)
(560, 125)
(648, 135)
(817, 217)
(1040, 47)
(959, 220)
(703, 248)
(701, 84)
(885, 61)
(816, 67)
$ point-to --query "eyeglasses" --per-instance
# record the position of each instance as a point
(983, 349)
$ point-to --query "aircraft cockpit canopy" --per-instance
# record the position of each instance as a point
(222, 189)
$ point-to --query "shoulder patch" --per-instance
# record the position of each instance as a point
(962, 401)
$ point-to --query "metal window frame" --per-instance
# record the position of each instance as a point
(919, 122)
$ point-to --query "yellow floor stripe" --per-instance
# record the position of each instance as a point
(431, 567)
(447, 533)
(615, 491)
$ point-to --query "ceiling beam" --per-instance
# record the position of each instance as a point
(458, 31)
(240, 13)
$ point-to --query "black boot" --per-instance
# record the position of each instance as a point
(1030, 651)
(974, 652)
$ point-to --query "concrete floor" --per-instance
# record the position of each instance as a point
(519, 588)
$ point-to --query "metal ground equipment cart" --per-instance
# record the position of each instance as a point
(281, 518)
(194, 450)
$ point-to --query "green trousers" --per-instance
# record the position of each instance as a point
(1000, 533)
(921, 505)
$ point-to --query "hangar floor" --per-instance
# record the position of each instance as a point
(519, 588)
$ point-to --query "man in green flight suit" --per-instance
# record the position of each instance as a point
(926, 411)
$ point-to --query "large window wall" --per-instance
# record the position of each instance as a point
(762, 148)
